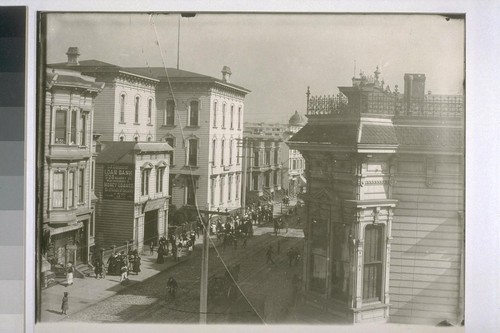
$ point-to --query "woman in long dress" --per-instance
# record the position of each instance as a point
(69, 274)
(159, 260)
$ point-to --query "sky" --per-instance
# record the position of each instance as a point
(276, 56)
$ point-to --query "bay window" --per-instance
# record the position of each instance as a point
(58, 190)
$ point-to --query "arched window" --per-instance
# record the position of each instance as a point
(239, 117)
(193, 113)
(192, 152)
(215, 114)
(150, 110)
(224, 115)
(232, 116)
(231, 152)
(214, 148)
(372, 265)
(145, 174)
(169, 117)
(122, 108)
(222, 148)
(136, 108)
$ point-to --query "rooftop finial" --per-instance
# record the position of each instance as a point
(377, 73)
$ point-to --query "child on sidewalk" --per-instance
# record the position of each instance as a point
(64, 305)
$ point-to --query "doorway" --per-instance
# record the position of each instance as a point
(151, 226)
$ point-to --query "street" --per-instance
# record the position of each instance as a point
(264, 295)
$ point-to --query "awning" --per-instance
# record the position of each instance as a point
(302, 180)
(59, 230)
(154, 204)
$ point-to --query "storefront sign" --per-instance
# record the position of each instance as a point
(118, 182)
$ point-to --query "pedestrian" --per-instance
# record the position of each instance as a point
(64, 305)
(172, 286)
(124, 272)
(151, 248)
(269, 255)
(161, 252)
(174, 251)
(69, 274)
(136, 266)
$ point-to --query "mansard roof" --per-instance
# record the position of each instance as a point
(417, 135)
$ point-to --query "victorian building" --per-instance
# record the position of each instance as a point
(199, 116)
(131, 184)
(385, 200)
(294, 177)
(65, 160)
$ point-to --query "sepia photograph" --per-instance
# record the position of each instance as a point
(250, 169)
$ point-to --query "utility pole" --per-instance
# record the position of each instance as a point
(206, 215)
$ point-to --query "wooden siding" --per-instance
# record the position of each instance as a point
(427, 241)
(205, 133)
(105, 113)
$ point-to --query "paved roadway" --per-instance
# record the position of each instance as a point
(265, 288)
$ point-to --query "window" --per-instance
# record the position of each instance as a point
(170, 142)
(238, 151)
(122, 108)
(267, 179)
(214, 147)
(170, 186)
(256, 157)
(145, 181)
(221, 189)
(169, 118)
(191, 191)
(223, 115)
(268, 157)
(61, 129)
(58, 190)
(192, 152)
(159, 179)
(193, 113)
(275, 180)
(229, 185)
(215, 114)
(83, 130)
(71, 189)
(372, 267)
(81, 185)
(239, 117)
(237, 192)
(232, 116)
(231, 152)
(150, 110)
(276, 157)
(222, 148)
(74, 119)
(136, 108)
(212, 191)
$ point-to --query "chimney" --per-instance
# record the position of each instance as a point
(226, 74)
(73, 55)
(414, 92)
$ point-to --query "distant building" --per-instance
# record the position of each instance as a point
(263, 166)
(68, 227)
(385, 201)
(296, 181)
(131, 183)
(283, 173)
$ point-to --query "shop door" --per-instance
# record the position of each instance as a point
(151, 227)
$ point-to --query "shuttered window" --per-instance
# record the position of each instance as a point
(372, 269)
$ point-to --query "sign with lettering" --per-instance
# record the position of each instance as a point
(118, 182)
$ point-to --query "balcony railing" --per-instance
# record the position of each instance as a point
(428, 106)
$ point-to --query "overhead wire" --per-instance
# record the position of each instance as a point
(205, 225)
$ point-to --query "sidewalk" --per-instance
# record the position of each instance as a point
(88, 291)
